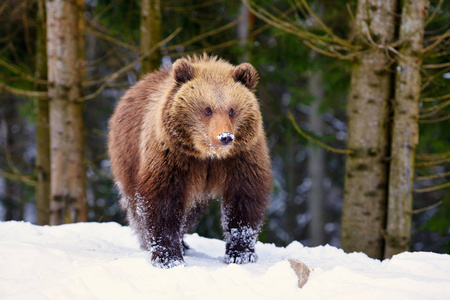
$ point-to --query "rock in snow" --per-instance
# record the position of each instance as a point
(301, 270)
(103, 261)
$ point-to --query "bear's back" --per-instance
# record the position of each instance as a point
(125, 127)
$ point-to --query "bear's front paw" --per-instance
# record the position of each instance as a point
(240, 257)
(166, 261)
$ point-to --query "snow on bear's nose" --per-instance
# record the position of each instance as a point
(225, 138)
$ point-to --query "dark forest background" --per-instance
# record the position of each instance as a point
(293, 78)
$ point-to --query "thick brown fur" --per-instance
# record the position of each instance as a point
(169, 158)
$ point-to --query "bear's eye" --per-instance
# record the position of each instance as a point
(231, 113)
(208, 111)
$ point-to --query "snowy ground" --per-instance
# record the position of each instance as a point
(103, 261)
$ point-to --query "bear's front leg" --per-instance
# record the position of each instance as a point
(166, 246)
(243, 211)
(240, 245)
(158, 224)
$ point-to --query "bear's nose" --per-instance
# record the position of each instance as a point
(225, 138)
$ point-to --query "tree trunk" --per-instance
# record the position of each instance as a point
(316, 164)
(405, 132)
(150, 34)
(67, 195)
(366, 169)
(244, 28)
(42, 124)
(77, 166)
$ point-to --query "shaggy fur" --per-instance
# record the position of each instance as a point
(169, 156)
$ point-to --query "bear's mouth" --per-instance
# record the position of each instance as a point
(218, 149)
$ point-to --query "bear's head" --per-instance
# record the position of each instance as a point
(213, 111)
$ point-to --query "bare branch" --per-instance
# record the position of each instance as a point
(111, 39)
(16, 174)
(432, 156)
(433, 176)
(433, 188)
(19, 92)
(429, 111)
(432, 121)
(437, 42)
(325, 27)
(21, 74)
(313, 140)
(432, 78)
(433, 15)
(207, 49)
(193, 6)
(436, 66)
(429, 99)
(432, 163)
(108, 79)
(327, 40)
(19, 177)
(416, 211)
(204, 35)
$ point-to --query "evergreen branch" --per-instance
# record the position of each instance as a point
(104, 11)
(433, 188)
(21, 74)
(315, 141)
(30, 180)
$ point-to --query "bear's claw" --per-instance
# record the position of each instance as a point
(235, 257)
(167, 262)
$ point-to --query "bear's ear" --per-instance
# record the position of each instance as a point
(183, 71)
(246, 74)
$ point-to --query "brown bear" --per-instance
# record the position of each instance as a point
(181, 137)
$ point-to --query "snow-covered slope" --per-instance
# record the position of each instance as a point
(103, 261)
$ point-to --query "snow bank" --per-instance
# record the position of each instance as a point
(103, 261)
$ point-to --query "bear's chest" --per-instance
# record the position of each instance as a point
(205, 181)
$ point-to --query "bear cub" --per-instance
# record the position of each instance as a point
(181, 137)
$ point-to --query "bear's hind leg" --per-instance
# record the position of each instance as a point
(192, 218)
